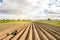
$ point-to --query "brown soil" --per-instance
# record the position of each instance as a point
(31, 31)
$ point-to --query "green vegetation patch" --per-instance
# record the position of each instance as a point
(52, 22)
(18, 20)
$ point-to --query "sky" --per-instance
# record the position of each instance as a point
(29, 9)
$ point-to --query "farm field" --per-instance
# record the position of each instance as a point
(4, 26)
(52, 22)
(11, 23)
(29, 31)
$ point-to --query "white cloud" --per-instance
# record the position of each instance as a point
(31, 9)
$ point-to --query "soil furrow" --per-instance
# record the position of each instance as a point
(41, 34)
(50, 37)
(36, 33)
(31, 31)
(23, 37)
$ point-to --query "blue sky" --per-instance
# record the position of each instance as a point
(29, 9)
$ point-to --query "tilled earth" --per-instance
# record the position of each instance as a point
(32, 31)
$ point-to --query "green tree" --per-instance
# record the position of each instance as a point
(48, 18)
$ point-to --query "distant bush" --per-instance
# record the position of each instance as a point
(3, 20)
(7, 19)
(48, 18)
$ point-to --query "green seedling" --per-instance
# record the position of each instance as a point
(14, 32)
